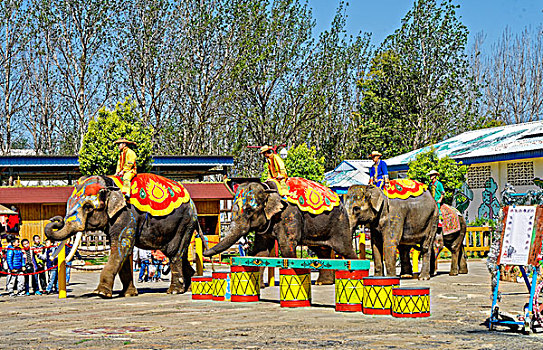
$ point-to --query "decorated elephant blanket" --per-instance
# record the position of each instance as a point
(451, 222)
(404, 188)
(155, 194)
(308, 195)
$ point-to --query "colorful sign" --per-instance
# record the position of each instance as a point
(308, 195)
(518, 235)
(404, 188)
(155, 194)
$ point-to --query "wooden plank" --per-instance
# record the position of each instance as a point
(318, 264)
(477, 228)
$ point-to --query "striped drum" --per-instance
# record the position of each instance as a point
(219, 285)
(349, 290)
(411, 302)
(378, 294)
(201, 288)
(295, 287)
(245, 283)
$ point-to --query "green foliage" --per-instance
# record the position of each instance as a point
(99, 155)
(302, 162)
(483, 222)
(452, 174)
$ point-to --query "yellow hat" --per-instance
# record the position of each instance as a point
(375, 153)
(265, 149)
(123, 140)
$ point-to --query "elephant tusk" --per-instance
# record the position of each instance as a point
(77, 241)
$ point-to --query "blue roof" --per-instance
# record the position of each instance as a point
(73, 161)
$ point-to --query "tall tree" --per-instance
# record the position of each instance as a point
(418, 89)
(13, 41)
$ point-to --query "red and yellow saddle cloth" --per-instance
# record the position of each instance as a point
(451, 222)
(155, 194)
(308, 195)
(404, 188)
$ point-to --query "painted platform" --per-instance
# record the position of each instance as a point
(318, 264)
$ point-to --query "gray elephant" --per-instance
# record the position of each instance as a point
(453, 240)
(147, 222)
(258, 207)
(395, 223)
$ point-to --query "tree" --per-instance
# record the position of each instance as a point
(303, 162)
(99, 155)
(419, 84)
(451, 174)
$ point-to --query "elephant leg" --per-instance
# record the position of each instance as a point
(438, 245)
(325, 276)
(377, 252)
(462, 264)
(406, 270)
(427, 249)
(121, 249)
(455, 252)
(127, 278)
(180, 267)
(263, 247)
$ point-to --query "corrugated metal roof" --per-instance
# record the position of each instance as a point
(480, 146)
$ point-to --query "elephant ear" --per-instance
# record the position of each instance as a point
(376, 198)
(273, 204)
(115, 203)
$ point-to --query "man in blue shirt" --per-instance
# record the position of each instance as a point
(379, 171)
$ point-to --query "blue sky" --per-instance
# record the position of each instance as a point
(382, 17)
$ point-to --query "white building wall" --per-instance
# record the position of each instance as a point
(498, 172)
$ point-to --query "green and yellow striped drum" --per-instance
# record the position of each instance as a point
(295, 287)
(202, 288)
(245, 283)
(411, 302)
(378, 294)
(219, 285)
(349, 290)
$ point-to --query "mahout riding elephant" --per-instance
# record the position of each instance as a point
(453, 240)
(160, 215)
(259, 207)
(400, 221)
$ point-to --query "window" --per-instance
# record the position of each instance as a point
(477, 176)
(520, 174)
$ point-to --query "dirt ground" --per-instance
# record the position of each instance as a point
(155, 320)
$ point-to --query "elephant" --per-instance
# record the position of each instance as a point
(395, 224)
(454, 242)
(97, 203)
(258, 207)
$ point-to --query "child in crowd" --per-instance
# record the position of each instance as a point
(158, 260)
(39, 253)
(15, 259)
(30, 267)
(145, 260)
(52, 286)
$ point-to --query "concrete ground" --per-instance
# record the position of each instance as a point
(155, 320)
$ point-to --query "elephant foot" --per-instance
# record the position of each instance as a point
(130, 292)
(326, 277)
(103, 293)
(453, 273)
(463, 272)
(176, 290)
(424, 276)
(406, 275)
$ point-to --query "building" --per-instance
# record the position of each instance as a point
(348, 173)
(511, 154)
(36, 204)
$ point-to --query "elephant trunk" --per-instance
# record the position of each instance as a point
(236, 232)
(59, 230)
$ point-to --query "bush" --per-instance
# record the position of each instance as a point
(451, 174)
(99, 155)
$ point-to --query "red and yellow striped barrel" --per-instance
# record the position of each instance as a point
(350, 290)
(245, 283)
(295, 287)
(411, 302)
(219, 285)
(202, 288)
(378, 294)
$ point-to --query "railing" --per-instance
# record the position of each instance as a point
(94, 245)
(476, 243)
